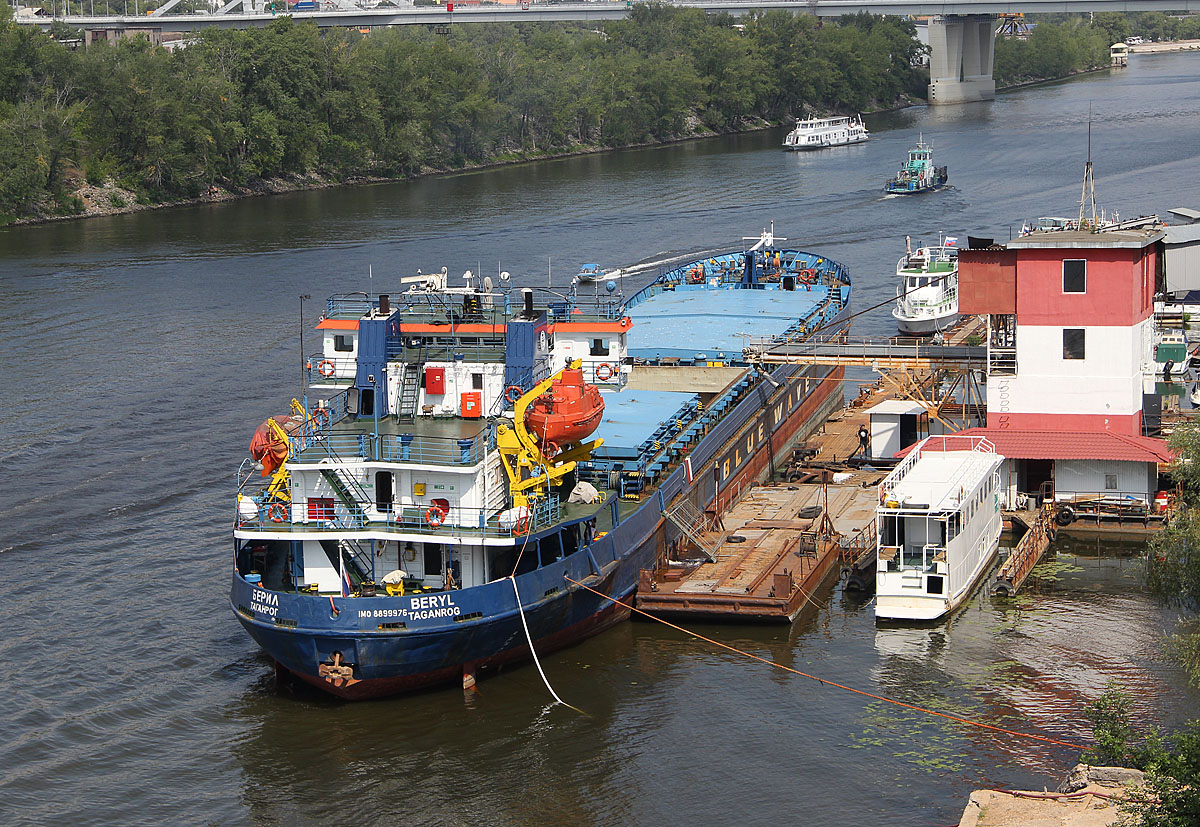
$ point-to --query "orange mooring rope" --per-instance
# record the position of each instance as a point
(967, 721)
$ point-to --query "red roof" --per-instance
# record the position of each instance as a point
(1103, 445)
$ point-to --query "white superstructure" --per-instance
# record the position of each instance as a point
(818, 133)
(938, 524)
(927, 294)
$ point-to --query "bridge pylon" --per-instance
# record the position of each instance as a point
(961, 51)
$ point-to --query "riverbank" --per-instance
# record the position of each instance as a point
(1171, 46)
(111, 199)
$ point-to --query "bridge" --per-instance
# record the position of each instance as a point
(961, 32)
(894, 353)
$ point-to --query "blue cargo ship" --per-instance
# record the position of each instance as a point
(467, 456)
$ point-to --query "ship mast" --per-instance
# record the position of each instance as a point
(1088, 196)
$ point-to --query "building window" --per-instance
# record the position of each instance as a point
(1110, 482)
(343, 344)
(1073, 343)
(477, 381)
(1074, 275)
(599, 348)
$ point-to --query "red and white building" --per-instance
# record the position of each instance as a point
(1070, 347)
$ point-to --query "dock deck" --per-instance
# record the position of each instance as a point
(770, 561)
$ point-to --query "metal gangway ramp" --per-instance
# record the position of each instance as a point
(895, 353)
(691, 523)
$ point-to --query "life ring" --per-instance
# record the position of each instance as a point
(604, 372)
(320, 416)
(326, 368)
(434, 517)
(512, 393)
(277, 512)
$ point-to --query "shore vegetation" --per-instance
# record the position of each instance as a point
(238, 106)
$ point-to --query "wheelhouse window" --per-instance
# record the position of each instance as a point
(599, 347)
(1074, 275)
(1073, 343)
(343, 343)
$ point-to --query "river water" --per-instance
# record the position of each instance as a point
(141, 351)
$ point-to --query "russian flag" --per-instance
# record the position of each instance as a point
(345, 584)
(951, 240)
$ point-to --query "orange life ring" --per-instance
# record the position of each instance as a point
(326, 368)
(512, 393)
(434, 517)
(320, 416)
(277, 512)
(604, 372)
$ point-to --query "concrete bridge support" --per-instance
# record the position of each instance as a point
(962, 48)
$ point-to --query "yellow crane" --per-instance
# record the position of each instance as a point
(530, 472)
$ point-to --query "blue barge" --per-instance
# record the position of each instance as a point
(393, 528)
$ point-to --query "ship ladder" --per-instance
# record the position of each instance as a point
(410, 391)
(691, 524)
(350, 493)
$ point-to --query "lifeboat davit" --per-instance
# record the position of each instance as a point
(568, 412)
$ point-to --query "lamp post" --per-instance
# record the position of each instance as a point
(303, 368)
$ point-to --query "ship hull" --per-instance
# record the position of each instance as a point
(925, 326)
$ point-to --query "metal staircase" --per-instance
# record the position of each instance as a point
(350, 493)
(410, 391)
(691, 523)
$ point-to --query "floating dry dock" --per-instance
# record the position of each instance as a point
(772, 551)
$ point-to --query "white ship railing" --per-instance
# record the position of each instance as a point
(943, 443)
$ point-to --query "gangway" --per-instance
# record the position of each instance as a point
(896, 353)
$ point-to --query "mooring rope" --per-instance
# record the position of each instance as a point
(532, 651)
(834, 684)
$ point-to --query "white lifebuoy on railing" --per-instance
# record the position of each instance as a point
(326, 368)
(434, 517)
(604, 372)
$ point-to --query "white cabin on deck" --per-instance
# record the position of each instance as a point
(339, 351)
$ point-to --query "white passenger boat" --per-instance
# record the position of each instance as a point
(938, 524)
(927, 295)
(818, 133)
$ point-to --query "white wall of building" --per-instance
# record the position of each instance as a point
(1107, 381)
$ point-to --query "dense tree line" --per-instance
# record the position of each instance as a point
(239, 105)
(1053, 50)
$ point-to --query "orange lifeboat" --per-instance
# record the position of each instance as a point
(267, 447)
(568, 412)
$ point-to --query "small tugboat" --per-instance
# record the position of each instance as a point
(938, 527)
(927, 295)
(818, 133)
(918, 174)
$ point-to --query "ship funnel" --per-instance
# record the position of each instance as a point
(527, 296)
